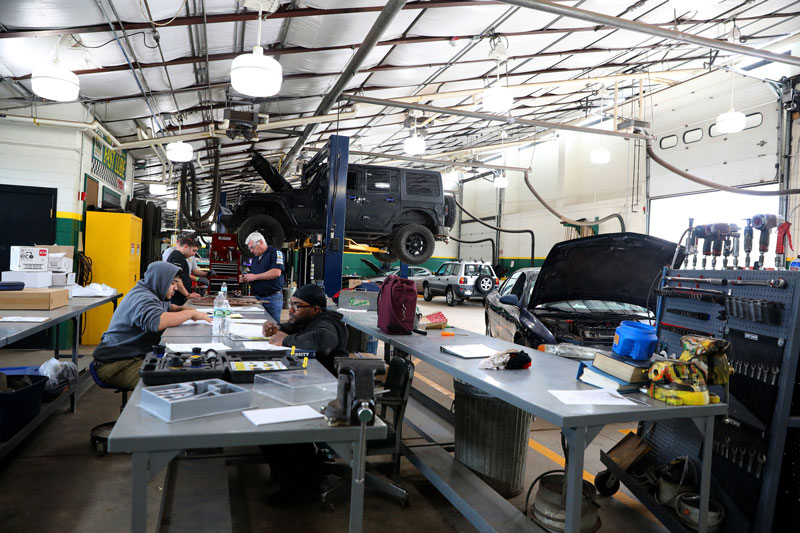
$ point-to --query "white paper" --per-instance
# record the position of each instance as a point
(216, 346)
(281, 414)
(22, 319)
(591, 397)
(259, 321)
(262, 345)
(470, 351)
(352, 310)
(205, 309)
(191, 322)
(250, 331)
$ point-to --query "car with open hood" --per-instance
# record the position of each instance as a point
(582, 292)
(417, 274)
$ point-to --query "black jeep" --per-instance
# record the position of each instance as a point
(400, 210)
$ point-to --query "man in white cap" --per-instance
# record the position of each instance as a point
(266, 274)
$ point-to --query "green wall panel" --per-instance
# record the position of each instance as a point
(353, 266)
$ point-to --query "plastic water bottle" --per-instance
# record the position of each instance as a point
(218, 322)
(570, 351)
(226, 307)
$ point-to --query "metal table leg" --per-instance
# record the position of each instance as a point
(576, 444)
(705, 476)
(76, 324)
(55, 341)
(357, 481)
(144, 465)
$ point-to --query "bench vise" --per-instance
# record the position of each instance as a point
(355, 400)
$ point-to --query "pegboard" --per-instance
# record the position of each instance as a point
(758, 410)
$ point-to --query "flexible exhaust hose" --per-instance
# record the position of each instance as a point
(489, 239)
(711, 184)
(569, 220)
(196, 221)
(476, 219)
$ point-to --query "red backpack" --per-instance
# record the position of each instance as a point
(397, 305)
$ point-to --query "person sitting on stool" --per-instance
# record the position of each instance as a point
(297, 467)
(266, 274)
(137, 324)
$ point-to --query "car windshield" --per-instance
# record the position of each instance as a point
(594, 307)
(478, 270)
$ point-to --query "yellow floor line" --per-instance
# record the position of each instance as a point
(626, 431)
(435, 385)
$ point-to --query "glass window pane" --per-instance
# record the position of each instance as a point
(692, 136)
(670, 141)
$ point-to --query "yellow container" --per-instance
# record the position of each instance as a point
(114, 244)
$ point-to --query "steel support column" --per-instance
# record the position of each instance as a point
(336, 205)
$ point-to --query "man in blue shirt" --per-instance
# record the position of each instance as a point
(266, 274)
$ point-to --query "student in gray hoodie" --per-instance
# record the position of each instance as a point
(137, 324)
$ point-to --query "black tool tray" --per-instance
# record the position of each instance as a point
(181, 367)
(243, 365)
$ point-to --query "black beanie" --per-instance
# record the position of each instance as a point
(312, 294)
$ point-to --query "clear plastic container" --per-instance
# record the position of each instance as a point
(296, 387)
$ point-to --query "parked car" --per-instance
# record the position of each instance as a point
(401, 210)
(584, 289)
(461, 280)
(417, 274)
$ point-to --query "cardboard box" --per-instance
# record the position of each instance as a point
(59, 258)
(28, 259)
(353, 283)
(367, 300)
(32, 280)
(44, 299)
(63, 278)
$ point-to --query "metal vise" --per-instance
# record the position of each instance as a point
(355, 400)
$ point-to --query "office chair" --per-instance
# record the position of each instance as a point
(394, 396)
(99, 434)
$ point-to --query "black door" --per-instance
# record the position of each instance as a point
(27, 216)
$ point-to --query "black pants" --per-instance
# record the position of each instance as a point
(297, 467)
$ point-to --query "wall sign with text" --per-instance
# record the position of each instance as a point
(109, 166)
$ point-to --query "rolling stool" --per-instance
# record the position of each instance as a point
(99, 434)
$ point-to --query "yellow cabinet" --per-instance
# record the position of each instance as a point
(114, 244)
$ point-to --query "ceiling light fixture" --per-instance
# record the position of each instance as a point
(172, 204)
(600, 156)
(53, 81)
(179, 152)
(501, 181)
(158, 189)
(256, 74)
(731, 121)
(498, 99)
(414, 144)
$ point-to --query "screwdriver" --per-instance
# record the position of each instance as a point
(451, 334)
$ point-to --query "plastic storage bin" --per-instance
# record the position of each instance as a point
(194, 399)
(297, 387)
(19, 407)
(635, 340)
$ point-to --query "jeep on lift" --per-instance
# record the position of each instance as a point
(402, 211)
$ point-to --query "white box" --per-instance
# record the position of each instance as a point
(28, 259)
(60, 264)
(32, 280)
(63, 278)
(71, 288)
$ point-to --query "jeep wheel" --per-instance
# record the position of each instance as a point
(452, 301)
(384, 258)
(264, 224)
(484, 284)
(413, 244)
(426, 293)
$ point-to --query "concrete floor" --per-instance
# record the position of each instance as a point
(53, 481)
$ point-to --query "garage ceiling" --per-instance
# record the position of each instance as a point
(170, 69)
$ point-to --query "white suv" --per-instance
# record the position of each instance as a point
(461, 280)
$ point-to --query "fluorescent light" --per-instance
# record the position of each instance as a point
(158, 189)
(256, 74)
(179, 152)
(172, 204)
(731, 122)
(414, 145)
(498, 99)
(500, 182)
(214, 227)
(381, 185)
(600, 156)
(55, 82)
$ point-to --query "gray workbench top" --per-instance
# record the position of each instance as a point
(527, 389)
(14, 331)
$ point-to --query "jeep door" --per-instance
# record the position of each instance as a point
(380, 199)
(352, 217)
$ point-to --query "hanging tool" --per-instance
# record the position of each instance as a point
(748, 241)
(704, 232)
(691, 244)
(720, 232)
(735, 248)
(712, 281)
(780, 256)
(777, 283)
(764, 224)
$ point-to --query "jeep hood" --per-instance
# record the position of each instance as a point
(614, 267)
(270, 174)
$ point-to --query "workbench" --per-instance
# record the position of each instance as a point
(528, 390)
(153, 443)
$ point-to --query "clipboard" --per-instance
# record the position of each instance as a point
(469, 351)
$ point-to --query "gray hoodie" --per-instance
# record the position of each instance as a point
(134, 326)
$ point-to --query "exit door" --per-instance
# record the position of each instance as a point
(27, 216)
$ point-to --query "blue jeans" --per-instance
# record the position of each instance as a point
(273, 305)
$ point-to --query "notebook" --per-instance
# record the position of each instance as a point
(469, 351)
(587, 373)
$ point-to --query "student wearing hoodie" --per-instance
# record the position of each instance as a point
(311, 327)
(297, 467)
(137, 324)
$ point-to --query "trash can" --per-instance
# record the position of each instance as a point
(491, 438)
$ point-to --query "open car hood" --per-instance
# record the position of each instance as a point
(269, 173)
(375, 268)
(613, 267)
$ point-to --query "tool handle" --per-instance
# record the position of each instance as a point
(763, 240)
(707, 246)
(783, 231)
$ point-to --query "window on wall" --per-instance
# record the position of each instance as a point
(669, 217)
(692, 136)
(670, 141)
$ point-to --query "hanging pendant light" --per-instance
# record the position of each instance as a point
(172, 205)
(600, 156)
(158, 189)
(498, 99)
(179, 152)
(501, 181)
(414, 144)
(53, 81)
(256, 74)
(731, 121)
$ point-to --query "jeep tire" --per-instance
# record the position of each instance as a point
(426, 293)
(384, 258)
(484, 284)
(266, 225)
(413, 244)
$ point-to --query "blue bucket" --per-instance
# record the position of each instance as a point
(635, 340)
